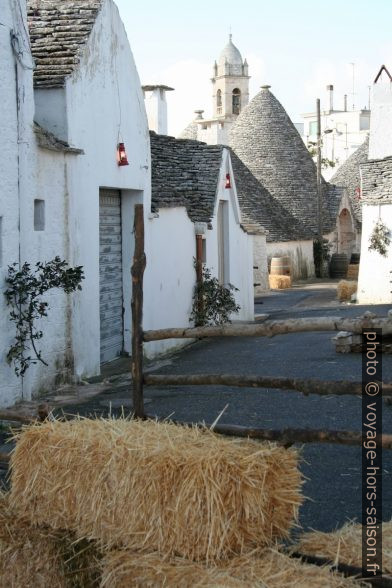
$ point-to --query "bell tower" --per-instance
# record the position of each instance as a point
(230, 83)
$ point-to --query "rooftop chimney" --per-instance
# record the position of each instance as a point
(156, 107)
(330, 90)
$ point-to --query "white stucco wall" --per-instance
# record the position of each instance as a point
(15, 174)
(301, 254)
(380, 140)
(170, 275)
(105, 105)
(240, 245)
(260, 262)
(374, 281)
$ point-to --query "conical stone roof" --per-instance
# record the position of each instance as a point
(268, 143)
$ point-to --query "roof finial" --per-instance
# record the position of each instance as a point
(230, 35)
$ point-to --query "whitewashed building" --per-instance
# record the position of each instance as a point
(73, 200)
(374, 284)
(191, 195)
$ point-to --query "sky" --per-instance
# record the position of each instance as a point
(296, 46)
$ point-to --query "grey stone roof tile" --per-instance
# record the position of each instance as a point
(260, 208)
(377, 181)
(269, 145)
(185, 173)
(58, 31)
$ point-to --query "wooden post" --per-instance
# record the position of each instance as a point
(319, 191)
(137, 271)
(199, 272)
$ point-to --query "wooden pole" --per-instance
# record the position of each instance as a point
(319, 191)
(288, 437)
(322, 388)
(199, 270)
(271, 328)
(9, 415)
(137, 271)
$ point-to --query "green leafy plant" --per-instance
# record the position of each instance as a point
(380, 239)
(24, 295)
(325, 162)
(321, 253)
(213, 303)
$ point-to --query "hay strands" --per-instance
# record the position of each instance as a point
(341, 568)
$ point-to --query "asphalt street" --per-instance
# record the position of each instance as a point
(333, 473)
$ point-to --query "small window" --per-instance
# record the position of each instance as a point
(39, 215)
(236, 101)
(313, 128)
(364, 123)
(219, 98)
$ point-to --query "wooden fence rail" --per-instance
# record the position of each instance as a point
(277, 327)
(319, 387)
(288, 436)
(266, 329)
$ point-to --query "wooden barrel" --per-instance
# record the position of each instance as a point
(280, 266)
(355, 258)
(338, 266)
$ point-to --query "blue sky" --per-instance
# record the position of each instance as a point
(296, 46)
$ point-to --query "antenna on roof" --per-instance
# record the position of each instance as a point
(353, 92)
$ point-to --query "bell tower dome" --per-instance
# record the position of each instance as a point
(230, 83)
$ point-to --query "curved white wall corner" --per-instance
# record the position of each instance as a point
(170, 276)
(260, 261)
(375, 279)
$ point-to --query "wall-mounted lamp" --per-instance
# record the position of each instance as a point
(228, 183)
(122, 158)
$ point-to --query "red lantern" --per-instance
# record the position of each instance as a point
(122, 158)
(228, 183)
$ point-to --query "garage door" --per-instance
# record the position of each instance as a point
(110, 274)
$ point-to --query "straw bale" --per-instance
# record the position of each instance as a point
(346, 289)
(122, 569)
(279, 282)
(353, 271)
(154, 486)
(345, 545)
(33, 557)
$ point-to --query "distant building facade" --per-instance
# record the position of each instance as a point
(343, 131)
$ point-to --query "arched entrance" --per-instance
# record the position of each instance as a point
(346, 233)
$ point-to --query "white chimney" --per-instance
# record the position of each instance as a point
(330, 90)
(156, 107)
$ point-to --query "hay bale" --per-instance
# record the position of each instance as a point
(279, 282)
(33, 557)
(353, 271)
(154, 486)
(122, 569)
(345, 545)
(346, 289)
